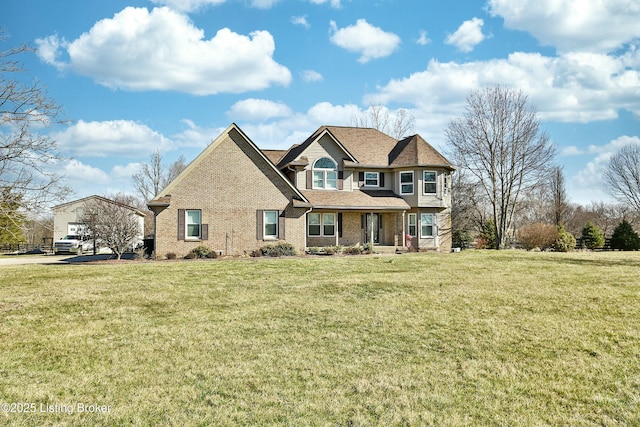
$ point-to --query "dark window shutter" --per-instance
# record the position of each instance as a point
(363, 220)
(181, 223)
(340, 180)
(309, 179)
(381, 179)
(259, 225)
(281, 221)
(205, 232)
(360, 179)
(339, 224)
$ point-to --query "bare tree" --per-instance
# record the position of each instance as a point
(623, 175)
(113, 222)
(397, 125)
(560, 204)
(27, 157)
(499, 141)
(155, 175)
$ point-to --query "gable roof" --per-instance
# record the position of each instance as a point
(100, 198)
(295, 151)
(372, 148)
(415, 151)
(162, 199)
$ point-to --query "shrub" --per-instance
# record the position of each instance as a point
(171, 255)
(538, 235)
(565, 242)
(281, 249)
(592, 236)
(190, 255)
(624, 238)
(353, 250)
(202, 252)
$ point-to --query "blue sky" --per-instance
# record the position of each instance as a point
(136, 76)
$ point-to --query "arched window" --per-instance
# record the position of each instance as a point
(325, 174)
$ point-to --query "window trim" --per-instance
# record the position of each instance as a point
(322, 224)
(412, 183)
(325, 175)
(377, 179)
(187, 224)
(266, 236)
(425, 182)
(432, 225)
(415, 224)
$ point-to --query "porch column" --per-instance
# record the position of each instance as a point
(371, 228)
(404, 233)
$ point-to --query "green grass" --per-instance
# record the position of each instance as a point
(476, 338)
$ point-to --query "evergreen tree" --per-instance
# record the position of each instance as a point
(625, 238)
(565, 242)
(592, 236)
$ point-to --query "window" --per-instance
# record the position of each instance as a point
(329, 224)
(406, 182)
(426, 225)
(325, 174)
(413, 227)
(321, 224)
(430, 182)
(314, 224)
(193, 224)
(270, 224)
(371, 179)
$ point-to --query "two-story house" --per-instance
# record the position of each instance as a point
(342, 186)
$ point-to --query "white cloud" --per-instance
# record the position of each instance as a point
(162, 50)
(468, 35)
(258, 110)
(194, 136)
(571, 150)
(121, 138)
(124, 172)
(423, 39)
(587, 183)
(363, 38)
(311, 76)
(573, 25)
(569, 88)
(263, 4)
(336, 4)
(300, 20)
(77, 171)
(188, 5)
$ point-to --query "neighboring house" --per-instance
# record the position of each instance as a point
(342, 186)
(68, 218)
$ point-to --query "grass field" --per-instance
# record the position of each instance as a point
(476, 338)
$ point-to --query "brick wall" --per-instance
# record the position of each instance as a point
(229, 182)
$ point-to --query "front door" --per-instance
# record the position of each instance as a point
(372, 222)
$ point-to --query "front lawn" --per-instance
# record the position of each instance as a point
(474, 338)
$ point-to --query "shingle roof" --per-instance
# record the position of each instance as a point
(371, 147)
(413, 151)
(274, 155)
(358, 199)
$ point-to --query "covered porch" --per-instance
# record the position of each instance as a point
(358, 217)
